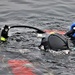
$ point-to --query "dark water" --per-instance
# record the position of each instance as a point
(23, 44)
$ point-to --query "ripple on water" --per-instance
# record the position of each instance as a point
(45, 14)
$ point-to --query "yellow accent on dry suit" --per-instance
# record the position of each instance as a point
(2, 39)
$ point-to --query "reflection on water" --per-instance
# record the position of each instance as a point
(44, 14)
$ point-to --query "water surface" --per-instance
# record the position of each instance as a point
(44, 14)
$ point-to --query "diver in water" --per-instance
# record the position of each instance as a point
(58, 41)
(4, 33)
(71, 32)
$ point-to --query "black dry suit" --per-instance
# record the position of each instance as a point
(4, 32)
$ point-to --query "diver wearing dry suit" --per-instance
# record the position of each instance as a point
(4, 33)
(71, 32)
(58, 41)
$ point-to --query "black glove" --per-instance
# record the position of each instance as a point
(70, 34)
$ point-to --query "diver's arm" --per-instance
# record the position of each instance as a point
(70, 33)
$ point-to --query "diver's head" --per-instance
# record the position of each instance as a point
(6, 28)
(72, 26)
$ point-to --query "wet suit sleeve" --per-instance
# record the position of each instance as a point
(70, 33)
